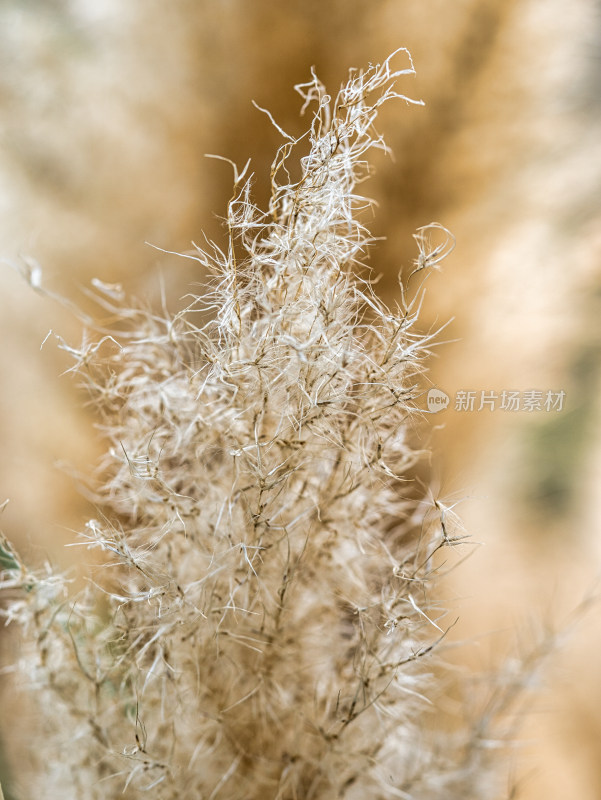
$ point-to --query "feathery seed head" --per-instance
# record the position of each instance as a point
(261, 624)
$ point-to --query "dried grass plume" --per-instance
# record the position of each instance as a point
(262, 625)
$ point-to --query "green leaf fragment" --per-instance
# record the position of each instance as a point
(8, 560)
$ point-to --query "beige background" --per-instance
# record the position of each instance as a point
(107, 109)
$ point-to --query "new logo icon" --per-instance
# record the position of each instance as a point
(437, 400)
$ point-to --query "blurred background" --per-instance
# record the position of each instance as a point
(107, 108)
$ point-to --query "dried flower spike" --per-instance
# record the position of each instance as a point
(261, 626)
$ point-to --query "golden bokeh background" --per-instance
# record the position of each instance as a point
(107, 109)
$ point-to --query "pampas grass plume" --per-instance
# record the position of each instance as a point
(262, 623)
